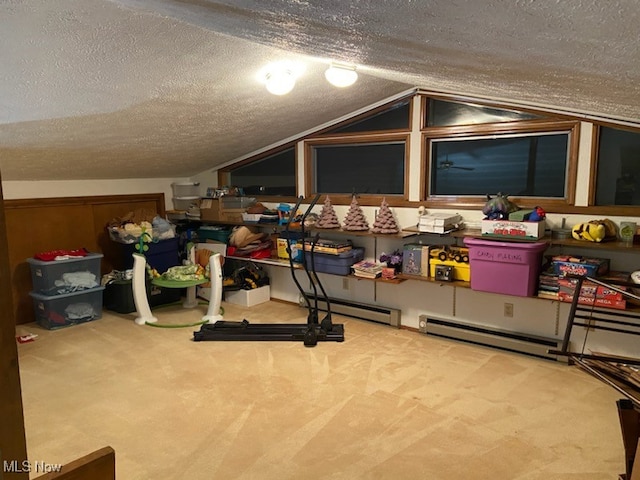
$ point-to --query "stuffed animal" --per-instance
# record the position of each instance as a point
(610, 228)
(591, 232)
(499, 207)
(537, 214)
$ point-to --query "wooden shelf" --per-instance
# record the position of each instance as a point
(420, 278)
(277, 262)
(394, 281)
(567, 242)
(339, 231)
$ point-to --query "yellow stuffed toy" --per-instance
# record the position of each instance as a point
(588, 231)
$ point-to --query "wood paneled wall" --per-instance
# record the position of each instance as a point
(13, 443)
(43, 224)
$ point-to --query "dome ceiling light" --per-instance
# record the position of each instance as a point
(340, 75)
(280, 77)
(280, 82)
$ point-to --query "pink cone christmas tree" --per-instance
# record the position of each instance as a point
(355, 219)
(385, 222)
(328, 217)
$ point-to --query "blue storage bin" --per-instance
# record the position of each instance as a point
(335, 264)
(161, 255)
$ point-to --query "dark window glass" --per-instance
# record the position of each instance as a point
(521, 166)
(361, 168)
(618, 181)
(441, 113)
(272, 175)
(396, 117)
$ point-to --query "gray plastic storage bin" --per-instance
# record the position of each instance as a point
(335, 264)
(59, 311)
(59, 277)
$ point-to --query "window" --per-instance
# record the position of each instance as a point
(274, 174)
(471, 151)
(529, 165)
(618, 171)
(394, 117)
(365, 168)
(441, 113)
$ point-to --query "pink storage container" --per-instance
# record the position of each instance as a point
(505, 267)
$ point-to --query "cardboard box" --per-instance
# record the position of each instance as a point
(516, 230)
(249, 298)
(589, 289)
(599, 302)
(568, 264)
(296, 249)
(210, 209)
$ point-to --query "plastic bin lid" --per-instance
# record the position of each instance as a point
(39, 296)
(476, 242)
(35, 261)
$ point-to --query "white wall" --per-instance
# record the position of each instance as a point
(78, 188)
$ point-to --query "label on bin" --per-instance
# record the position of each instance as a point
(499, 256)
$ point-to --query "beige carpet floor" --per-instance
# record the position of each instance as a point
(385, 404)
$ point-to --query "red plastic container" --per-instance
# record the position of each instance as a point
(505, 267)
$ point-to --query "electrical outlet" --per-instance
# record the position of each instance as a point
(345, 284)
(508, 309)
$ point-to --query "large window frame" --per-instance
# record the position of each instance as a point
(546, 126)
(552, 122)
(369, 138)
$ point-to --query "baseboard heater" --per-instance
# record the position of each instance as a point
(502, 339)
(373, 313)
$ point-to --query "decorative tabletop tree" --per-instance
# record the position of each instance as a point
(355, 219)
(385, 221)
(328, 217)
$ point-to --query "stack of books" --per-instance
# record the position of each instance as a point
(367, 269)
(332, 247)
(439, 222)
(548, 286)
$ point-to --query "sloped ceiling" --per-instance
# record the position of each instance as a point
(97, 89)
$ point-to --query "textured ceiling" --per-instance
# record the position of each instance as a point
(94, 89)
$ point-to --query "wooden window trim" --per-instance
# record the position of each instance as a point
(328, 132)
(426, 96)
(476, 202)
(363, 199)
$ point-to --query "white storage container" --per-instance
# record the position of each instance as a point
(249, 298)
(186, 189)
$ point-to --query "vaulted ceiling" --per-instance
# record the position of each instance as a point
(93, 89)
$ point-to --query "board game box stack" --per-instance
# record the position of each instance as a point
(332, 247)
(555, 285)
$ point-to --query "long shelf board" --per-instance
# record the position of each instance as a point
(568, 242)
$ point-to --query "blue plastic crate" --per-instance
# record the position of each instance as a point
(335, 264)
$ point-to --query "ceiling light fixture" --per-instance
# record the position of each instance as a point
(280, 77)
(340, 75)
(280, 82)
